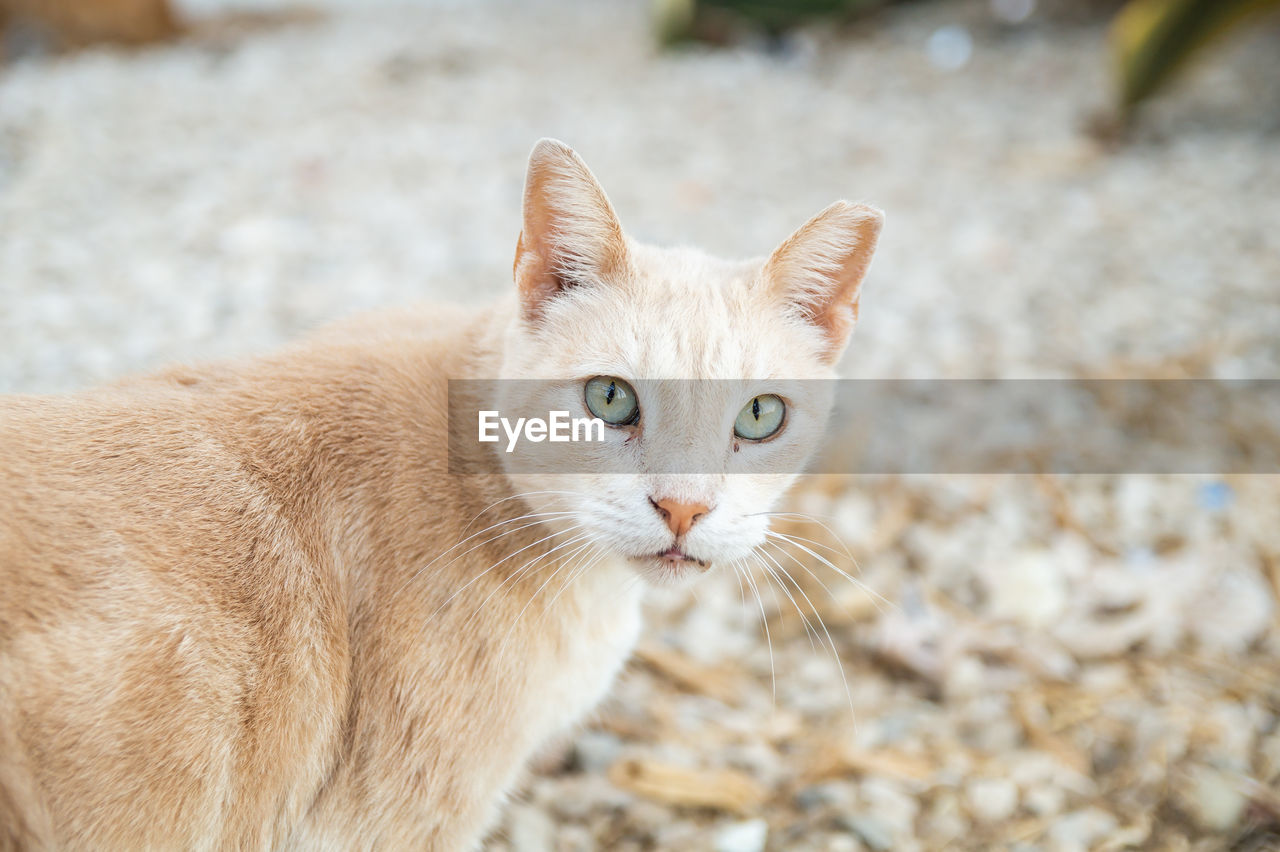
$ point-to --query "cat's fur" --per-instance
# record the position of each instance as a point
(226, 622)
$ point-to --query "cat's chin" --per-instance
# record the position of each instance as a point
(670, 568)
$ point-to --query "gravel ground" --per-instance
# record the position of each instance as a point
(1026, 662)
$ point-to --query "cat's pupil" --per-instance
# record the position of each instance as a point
(608, 397)
(755, 408)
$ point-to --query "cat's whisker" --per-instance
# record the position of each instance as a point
(630, 580)
(600, 553)
(511, 497)
(876, 598)
(539, 516)
(835, 653)
(840, 551)
(805, 568)
(483, 573)
(739, 567)
(810, 632)
(813, 519)
(528, 567)
(593, 558)
(742, 593)
(561, 563)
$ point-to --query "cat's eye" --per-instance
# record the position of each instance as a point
(612, 400)
(760, 418)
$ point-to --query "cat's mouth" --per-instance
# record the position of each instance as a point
(670, 566)
(674, 558)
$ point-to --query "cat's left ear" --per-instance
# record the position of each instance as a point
(818, 270)
(571, 236)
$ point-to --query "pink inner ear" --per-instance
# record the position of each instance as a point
(535, 281)
(570, 230)
(820, 268)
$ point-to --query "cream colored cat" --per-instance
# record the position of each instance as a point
(247, 606)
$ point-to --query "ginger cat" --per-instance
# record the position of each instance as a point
(247, 605)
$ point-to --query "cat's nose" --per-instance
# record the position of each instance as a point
(679, 516)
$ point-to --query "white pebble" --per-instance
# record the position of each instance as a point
(991, 799)
(749, 836)
(1214, 799)
(529, 829)
(950, 47)
(1079, 830)
(1013, 11)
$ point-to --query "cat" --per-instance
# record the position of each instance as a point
(249, 606)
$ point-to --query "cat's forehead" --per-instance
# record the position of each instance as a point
(685, 264)
(687, 314)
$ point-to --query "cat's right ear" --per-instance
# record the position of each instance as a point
(818, 270)
(570, 236)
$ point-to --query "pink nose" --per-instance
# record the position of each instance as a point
(680, 516)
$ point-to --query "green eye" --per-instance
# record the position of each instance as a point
(760, 418)
(612, 400)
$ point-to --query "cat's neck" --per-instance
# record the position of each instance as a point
(346, 435)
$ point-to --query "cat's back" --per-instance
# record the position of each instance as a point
(140, 612)
(99, 461)
(193, 467)
(174, 645)
(72, 473)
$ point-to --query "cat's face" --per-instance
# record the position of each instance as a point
(708, 373)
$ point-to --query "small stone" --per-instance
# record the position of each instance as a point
(1013, 11)
(1032, 590)
(893, 806)
(950, 47)
(1269, 755)
(746, 836)
(1045, 800)
(596, 751)
(1078, 831)
(1214, 800)
(965, 677)
(575, 838)
(529, 829)
(871, 830)
(991, 799)
(841, 843)
(946, 822)
(576, 797)
(1232, 612)
(837, 794)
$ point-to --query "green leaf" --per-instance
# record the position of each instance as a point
(1152, 39)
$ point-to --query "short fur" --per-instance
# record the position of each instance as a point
(234, 615)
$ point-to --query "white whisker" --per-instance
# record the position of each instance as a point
(508, 498)
(483, 573)
(592, 542)
(809, 631)
(540, 516)
(835, 653)
(876, 597)
(764, 621)
(526, 568)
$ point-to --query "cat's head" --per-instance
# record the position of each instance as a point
(691, 360)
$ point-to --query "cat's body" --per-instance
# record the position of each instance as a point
(240, 654)
(247, 606)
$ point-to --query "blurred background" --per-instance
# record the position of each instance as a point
(1073, 189)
